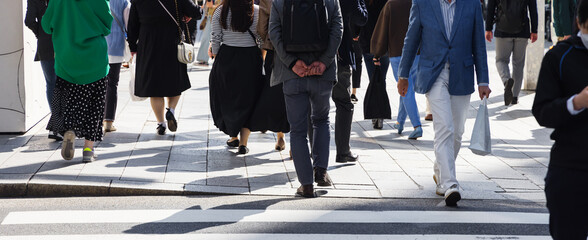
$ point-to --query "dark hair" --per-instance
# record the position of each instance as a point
(582, 12)
(241, 14)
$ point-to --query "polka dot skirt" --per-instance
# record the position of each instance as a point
(79, 108)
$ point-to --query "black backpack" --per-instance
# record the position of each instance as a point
(511, 16)
(304, 26)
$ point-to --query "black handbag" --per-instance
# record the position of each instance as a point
(376, 103)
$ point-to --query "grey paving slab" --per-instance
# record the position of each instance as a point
(194, 189)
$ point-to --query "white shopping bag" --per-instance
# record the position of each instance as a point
(132, 69)
(480, 142)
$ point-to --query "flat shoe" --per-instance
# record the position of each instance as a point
(234, 143)
(243, 150)
(417, 133)
(172, 123)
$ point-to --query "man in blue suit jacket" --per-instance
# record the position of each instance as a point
(450, 34)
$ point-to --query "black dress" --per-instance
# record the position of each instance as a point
(154, 35)
(270, 110)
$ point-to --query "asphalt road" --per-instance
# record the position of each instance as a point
(254, 217)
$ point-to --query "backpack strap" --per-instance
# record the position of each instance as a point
(562, 59)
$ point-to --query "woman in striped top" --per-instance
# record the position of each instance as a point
(236, 78)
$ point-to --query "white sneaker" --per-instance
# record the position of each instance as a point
(452, 196)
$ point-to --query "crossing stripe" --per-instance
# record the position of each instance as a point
(270, 237)
(300, 216)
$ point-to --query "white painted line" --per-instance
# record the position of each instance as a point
(271, 237)
(302, 216)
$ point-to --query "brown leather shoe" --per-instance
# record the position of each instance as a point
(321, 177)
(429, 117)
(306, 191)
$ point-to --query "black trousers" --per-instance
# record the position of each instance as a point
(344, 113)
(567, 204)
(111, 91)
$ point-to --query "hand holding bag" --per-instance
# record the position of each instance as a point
(185, 49)
(480, 142)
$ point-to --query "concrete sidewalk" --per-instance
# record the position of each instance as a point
(134, 160)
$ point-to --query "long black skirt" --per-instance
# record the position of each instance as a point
(79, 108)
(270, 110)
(235, 85)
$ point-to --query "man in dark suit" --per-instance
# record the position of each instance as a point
(450, 36)
(354, 12)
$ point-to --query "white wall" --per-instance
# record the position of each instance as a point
(22, 84)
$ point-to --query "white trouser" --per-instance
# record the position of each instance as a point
(449, 115)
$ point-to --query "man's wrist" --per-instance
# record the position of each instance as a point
(293, 63)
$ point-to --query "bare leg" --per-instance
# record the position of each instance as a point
(353, 91)
(158, 106)
(281, 143)
(244, 136)
(172, 102)
(89, 144)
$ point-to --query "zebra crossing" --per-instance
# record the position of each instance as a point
(249, 218)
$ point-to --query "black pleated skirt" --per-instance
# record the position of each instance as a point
(235, 85)
(79, 108)
(270, 110)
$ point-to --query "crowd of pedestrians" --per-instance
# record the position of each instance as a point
(279, 63)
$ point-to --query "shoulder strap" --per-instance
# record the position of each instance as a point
(253, 36)
(118, 22)
(176, 21)
(170, 15)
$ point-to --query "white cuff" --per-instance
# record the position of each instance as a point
(570, 106)
(482, 84)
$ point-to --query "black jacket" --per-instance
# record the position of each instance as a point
(35, 11)
(491, 16)
(563, 74)
(367, 30)
(353, 12)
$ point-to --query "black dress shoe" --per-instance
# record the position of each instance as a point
(515, 100)
(160, 129)
(321, 177)
(243, 150)
(378, 123)
(306, 191)
(234, 143)
(171, 121)
(346, 158)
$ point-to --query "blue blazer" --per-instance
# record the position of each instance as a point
(464, 48)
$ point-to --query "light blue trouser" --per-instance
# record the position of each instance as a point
(204, 43)
(407, 104)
